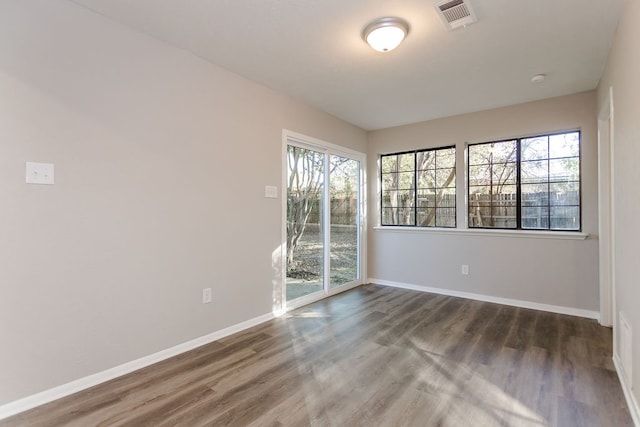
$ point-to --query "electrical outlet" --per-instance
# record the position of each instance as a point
(465, 269)
(206, 295)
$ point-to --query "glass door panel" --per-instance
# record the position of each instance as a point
(305, 263)
(344, 195)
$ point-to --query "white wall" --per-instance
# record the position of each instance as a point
(160, 163)
(556, 272)
(622, 72)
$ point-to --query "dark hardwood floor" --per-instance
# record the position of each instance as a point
(373, 356)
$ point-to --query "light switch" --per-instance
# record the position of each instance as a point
(271, 191)
(39, 173)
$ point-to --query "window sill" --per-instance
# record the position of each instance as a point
(518, 234)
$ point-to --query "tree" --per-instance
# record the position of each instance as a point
(416, 182)
(305, 180)
(492, 169)
(305, 187)
(398, 175)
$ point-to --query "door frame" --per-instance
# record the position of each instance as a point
(606, 214)
(298, 139)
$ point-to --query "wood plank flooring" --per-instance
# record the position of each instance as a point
(373, 356)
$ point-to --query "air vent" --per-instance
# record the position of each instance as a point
(456, 13)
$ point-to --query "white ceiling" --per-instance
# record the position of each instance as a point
(313, 51)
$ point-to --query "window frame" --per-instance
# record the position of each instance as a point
(416, 189)
(518, 183)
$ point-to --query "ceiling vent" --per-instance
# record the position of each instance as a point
(456, 13)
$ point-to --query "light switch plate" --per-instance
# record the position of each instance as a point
(39, 173)
(206, 295)
(271, 191)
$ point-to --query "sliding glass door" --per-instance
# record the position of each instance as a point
(305, 222)
(323, 221)
(344, 197)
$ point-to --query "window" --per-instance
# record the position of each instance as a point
(419, 188)
(527, 183)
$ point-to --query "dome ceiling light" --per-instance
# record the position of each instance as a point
(385, 34)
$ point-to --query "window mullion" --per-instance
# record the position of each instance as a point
(415, 188)
(548, 183)
(518, 186)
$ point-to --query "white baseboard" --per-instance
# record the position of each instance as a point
(505, 301)
(29, 402)
(632, 403)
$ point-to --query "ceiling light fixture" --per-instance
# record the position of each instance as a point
(385, 34)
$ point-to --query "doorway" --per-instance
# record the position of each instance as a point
(323, 220)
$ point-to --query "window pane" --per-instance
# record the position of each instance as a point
(446, 217)
(397, 216)
(387, 216)
(405, 216)
(405, 198)
(504, 193)
(504, 173)
(488, 195)
(493, 206)
(389, 163)
(534, 171)
(564, 169)
(478, 154)
(496, 174)
(426, 217)
(389, 181)
(405, 180)
(426, 160)
(390, 198)
(446, 198)
(565, 194)
(305, 221)
(492, 216)
(479, 175)
(426, 198)
(440, 198)
(427, 179)
(445, 177)
(406, 162)
(503, 152)
(561, 187)
(534, 195)
(496, 152)
(511, 222)
(534, 148)
(441, 217)
(565, 217)
(446, 158)
(343, 241)
(564, 145)
(398, 195)
(536, 217)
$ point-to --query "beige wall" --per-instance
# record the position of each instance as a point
(160, 163)
(622, 72)
(546, 271)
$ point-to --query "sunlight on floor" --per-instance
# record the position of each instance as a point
(420, 384)
(306, 315)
